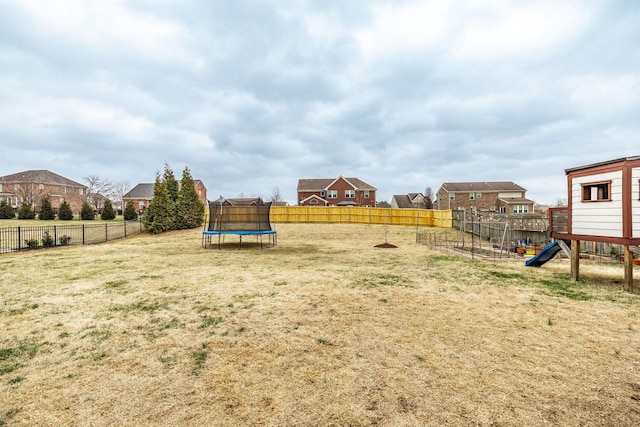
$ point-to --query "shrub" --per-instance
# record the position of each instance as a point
(46, 211)
(26, 210)
(65, 240)
(130, 212)
(47, 240)
(6, 211)
(86, 213)
(64, 213)
(107, 211)
(31, 243)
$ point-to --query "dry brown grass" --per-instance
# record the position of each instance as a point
(323, 329)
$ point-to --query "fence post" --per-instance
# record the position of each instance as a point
(19, 239)
(83, 234)
(55, 236)
(106, 232)
(124, 223)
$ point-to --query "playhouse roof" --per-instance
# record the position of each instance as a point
(607, 162)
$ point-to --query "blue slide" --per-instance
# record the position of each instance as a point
(545, 254)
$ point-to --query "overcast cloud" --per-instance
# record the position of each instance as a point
(253, 95)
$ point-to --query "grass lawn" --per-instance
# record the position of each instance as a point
(323, 329)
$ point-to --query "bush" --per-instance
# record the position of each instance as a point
(26, 211)
(86, 213)
(130, 212)
(31, 243)
(64, 213)
(107, 211)
(46, 211)
(65, 240)
(6, 211)
(47, 240)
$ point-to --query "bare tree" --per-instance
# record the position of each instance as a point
(98, 190)
(120, 188)
(428, 198)
(276, 195)
(560, 203)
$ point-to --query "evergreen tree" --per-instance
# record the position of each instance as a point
(26, 210)
(64, 213)
(86, 213)
(107, 211)
(158, 217)
(46, 211)
(130, 211)
(6, 211)
(173, 187)
(189, 209)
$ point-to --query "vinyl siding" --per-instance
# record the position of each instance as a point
(597, 218)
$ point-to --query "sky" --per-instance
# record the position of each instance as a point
(252, 96)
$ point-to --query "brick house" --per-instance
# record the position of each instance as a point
(32, 185)
(335, 192)
(141, 195)
(499, 197)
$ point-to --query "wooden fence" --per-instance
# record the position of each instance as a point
(360, 215)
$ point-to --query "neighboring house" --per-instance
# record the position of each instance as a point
(141, 195)
(499, 197)
(335, 192)
(409, 201)
(32, 185)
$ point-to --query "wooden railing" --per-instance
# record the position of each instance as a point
(559, 220)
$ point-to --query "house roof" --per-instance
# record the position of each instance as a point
(486, 187)
(407, 200)
(40, 177)
(144, 191)
(515, 200)
(320, 184)
(239, 201)
(314, 196)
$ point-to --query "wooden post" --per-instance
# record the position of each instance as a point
(628, 269)
(575, 260)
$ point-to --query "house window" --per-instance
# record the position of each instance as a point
(349, 194)
(596, 192)
(366, 194)
(322, 194)
(332, 194)
(452, 196)
(140, 204)
(472, 196)
(81, 191)
(503, 209)
(41, 186)
(313, 202)
(478, 195)
(8, 199)
(0, 188)
(64, 190)
(520, 209)
(16, 186)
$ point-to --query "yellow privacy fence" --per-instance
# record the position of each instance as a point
(360, 215)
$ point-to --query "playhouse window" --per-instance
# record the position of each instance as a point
(596, 192)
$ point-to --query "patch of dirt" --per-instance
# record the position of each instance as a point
(385, 245)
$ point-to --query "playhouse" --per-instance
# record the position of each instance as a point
(603, 206)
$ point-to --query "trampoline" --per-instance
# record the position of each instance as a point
(246, 217)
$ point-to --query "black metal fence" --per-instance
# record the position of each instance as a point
(21, 238)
